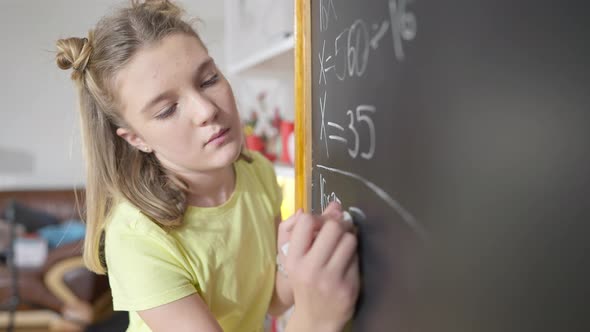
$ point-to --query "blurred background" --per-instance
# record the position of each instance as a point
(251, 41)
(40, 149)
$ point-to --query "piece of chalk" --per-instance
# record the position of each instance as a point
(347, 217)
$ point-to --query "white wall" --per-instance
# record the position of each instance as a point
(38, 108)
(253, 27)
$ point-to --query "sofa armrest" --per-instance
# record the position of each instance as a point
(73, 249)
(54, 279)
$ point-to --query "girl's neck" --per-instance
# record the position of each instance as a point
(212, 188)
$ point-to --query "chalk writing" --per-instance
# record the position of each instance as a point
(348, 57)
(327, 9)
(362, 115)
(395, 205)
(326, 198)
(403, 25)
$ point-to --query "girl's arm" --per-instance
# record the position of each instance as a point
(189, 314)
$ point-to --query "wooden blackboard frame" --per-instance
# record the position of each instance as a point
(303, 104)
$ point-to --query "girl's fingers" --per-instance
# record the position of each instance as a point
(344, 254)
(353, 279)
(325, 243)
(302, 236)
(352, 272)
(288, 224)
(333, 211)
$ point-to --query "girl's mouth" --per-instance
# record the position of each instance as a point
(219, 137)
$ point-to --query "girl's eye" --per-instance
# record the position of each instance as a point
(168, 112)
(210, 81)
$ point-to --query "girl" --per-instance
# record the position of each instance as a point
(181, 218)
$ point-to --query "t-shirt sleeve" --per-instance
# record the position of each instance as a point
(270, 181)
(145, 271)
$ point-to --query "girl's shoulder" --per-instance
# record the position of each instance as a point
(124, 217)
(259, 165)
(260, 177)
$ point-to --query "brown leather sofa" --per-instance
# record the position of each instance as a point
(62, 294)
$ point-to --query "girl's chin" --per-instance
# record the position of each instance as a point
(230, 152)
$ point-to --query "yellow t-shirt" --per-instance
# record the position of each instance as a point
(226, 254)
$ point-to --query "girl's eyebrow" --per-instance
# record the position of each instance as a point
(159, 98)
(206, 63)
(166, 94)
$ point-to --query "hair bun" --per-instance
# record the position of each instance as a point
(73, 53)
(161, 6)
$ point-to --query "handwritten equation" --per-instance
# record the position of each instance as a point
(328, 197)
(361, 116)
(346, 57)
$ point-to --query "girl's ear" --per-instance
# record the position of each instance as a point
(133, 139)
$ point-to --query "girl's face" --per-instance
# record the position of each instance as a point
(179, 105)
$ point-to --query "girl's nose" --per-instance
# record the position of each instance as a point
(205, 110)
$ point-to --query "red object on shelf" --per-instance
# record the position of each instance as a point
(255, 143)
(270, 156)
(287, 128)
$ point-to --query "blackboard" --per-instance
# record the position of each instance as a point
(458, 134)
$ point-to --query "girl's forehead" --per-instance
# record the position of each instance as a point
(173, 47)
(159, 67)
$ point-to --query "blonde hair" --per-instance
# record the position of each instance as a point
(115, 169)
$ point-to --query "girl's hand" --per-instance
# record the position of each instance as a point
(284, 232)
(333, 212)
(323, 270)
(283, 294)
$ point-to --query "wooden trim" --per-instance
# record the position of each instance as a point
(99, 309)
(303, 104)
(29, 319)
(54, 279)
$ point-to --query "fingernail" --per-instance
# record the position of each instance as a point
(285, 248)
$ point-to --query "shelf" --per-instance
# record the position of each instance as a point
(262, 56)
(284, 170)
